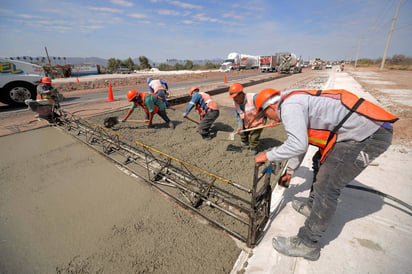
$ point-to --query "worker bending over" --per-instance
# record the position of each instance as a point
(160, 88)
(350, 133)
(246, 118)
(151, 104)
(207, 110)
(47, 101)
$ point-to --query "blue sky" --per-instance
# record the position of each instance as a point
(165, 29)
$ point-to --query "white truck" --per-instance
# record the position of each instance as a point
(238, 61)
(287, 62)
(268, 63)
(18, 81)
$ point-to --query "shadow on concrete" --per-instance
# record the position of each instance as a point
(352, 204)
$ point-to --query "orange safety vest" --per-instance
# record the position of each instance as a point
(143, 95)
(209, 103)
(249, 115)
(325, 139)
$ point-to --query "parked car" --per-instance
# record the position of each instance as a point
(328, 66)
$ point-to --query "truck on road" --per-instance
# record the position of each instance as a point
(287, 62)
(268, 63)
(18, 81)
(317, 63)
(238, 61)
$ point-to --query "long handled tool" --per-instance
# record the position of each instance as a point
(114, 120)
(232, 134)
(196, 122)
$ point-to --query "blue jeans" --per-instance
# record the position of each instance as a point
(346, 161)
(162, 93)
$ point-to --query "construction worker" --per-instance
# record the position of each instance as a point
(350, 133)
(151, 104)
(47, 101)
(207, 110)
(45, 91)
(160, 88)
(246, 118)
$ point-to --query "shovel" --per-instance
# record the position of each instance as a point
(232, 134)
(114, 120)
(196, 122)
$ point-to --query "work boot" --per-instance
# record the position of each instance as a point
(244, 145)
(301, 207)
(294, 247)
(206, 137)
(251, 152)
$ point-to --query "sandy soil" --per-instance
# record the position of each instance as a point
(117, 249)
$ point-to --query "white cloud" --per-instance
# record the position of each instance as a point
(185, 5)
(103, 9)
(138, 15)
(29, 16)
(122, 3)
(168, 12)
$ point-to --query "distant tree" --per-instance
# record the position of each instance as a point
(128, 63)
(397, 59)
(178, 66)
(113, 64)
(188, 64)
(144, 62)
(210, 65)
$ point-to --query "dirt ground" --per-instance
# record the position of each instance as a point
(117, 252)
(393, 90)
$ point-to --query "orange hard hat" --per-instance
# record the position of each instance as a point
(131, 94)
(266, 97)
(46, 80)
(235, 89)
(193, 89)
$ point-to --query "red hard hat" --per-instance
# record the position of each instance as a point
(46, 80)
(131, 94)
(235, 89)
(193, 89)
(266, 97)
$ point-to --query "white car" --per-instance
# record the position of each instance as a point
(328, 66)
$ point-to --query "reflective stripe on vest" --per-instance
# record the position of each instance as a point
(249, 115)
(349, 100)
(208, 101)
(325, 139)
(143, 95)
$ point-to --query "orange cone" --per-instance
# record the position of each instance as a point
(225, 81)
(110, 97)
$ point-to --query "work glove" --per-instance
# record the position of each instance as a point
(284, 180)
(261, 158)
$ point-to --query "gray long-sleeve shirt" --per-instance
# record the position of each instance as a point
(300, 112)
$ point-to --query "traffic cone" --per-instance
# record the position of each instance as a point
(225, 81)
(110, 97)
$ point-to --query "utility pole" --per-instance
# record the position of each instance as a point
(357, 53)
(390, 35)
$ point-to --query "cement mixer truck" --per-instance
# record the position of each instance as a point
(287, 62)
(238, 61)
